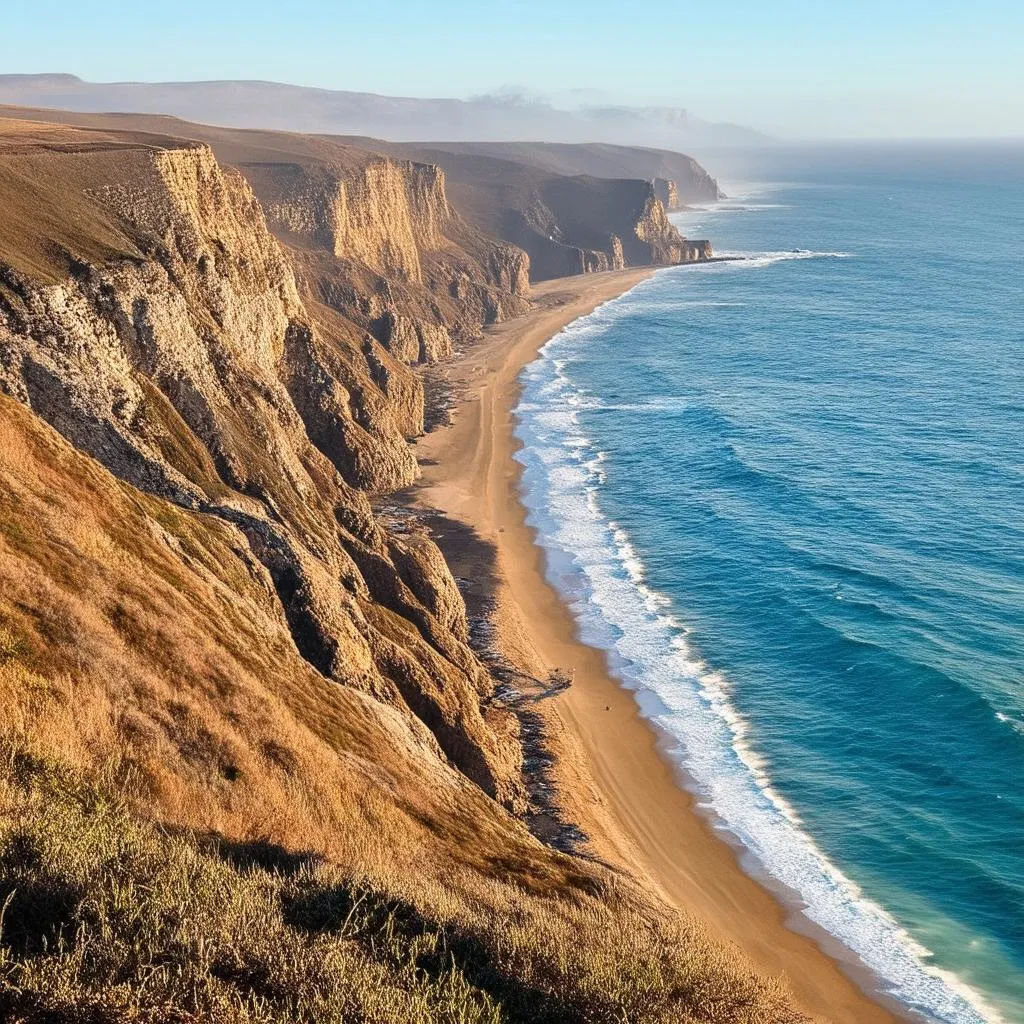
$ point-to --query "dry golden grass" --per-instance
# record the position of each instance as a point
(107, 917)
(196, 825)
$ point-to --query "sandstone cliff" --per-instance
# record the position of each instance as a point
(184, 360)
(381, 244)
(567, 225)
(581, 225)
(374, 239)
(667, 192)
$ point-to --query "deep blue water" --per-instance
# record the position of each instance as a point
(787, 496)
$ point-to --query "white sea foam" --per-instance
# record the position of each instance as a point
(595, 563)
(754, 260)
(1009, 720)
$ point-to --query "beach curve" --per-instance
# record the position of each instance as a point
(611, 775)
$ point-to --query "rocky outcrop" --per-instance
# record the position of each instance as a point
(697, 250)
(566, 224)
(582, 225)
(412, 273)
(187, 362)
(667, 192)
(382, 213)
(654, 229)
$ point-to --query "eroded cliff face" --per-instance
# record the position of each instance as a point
(666, 245)
(380, 244)
(186, 361)
(154, 320)
(381, 213)
(667, 192)
(567, 223)
(583, 225)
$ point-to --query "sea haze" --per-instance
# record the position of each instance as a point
(787, 496)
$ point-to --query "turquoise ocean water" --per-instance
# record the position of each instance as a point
(787, 496)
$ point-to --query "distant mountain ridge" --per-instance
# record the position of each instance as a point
(252, 104)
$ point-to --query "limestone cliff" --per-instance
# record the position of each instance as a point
(151, 316)
(567, 224)
(667, 192)
(382, 213)
(183, 358)
(581, 225)
(378, 241)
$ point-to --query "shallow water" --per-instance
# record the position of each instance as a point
(787, 496)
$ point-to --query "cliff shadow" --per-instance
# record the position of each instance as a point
(471, 558)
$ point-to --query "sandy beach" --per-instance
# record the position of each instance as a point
(610, 775)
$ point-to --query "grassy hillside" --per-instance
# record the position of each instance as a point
(197, 826)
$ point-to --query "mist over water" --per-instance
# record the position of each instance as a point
(787, 496)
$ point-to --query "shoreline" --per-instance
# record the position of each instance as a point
(612, 777)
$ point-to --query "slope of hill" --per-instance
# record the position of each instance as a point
(372, 239)
(255, 104)
(692, 182)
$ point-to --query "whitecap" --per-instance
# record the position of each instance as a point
(753, 260)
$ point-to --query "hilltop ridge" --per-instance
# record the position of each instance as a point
(565, 224)
(262, 104)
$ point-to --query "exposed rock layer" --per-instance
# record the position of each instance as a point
(188, 364)
(567, 225)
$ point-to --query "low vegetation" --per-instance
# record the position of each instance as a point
(108, 917)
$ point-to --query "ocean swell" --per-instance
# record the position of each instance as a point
(592, 562)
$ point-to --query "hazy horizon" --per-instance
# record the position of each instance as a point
(793, 70)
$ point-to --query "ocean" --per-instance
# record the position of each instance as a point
(787, 496)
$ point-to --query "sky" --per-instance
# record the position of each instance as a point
(798, 69)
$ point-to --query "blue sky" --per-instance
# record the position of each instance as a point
(793, 68)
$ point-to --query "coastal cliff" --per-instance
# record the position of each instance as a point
(667, 192)
(561, 233)
(383, 213)
(566, 224)
(379, 243)
(188, 365)
(230, 687)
